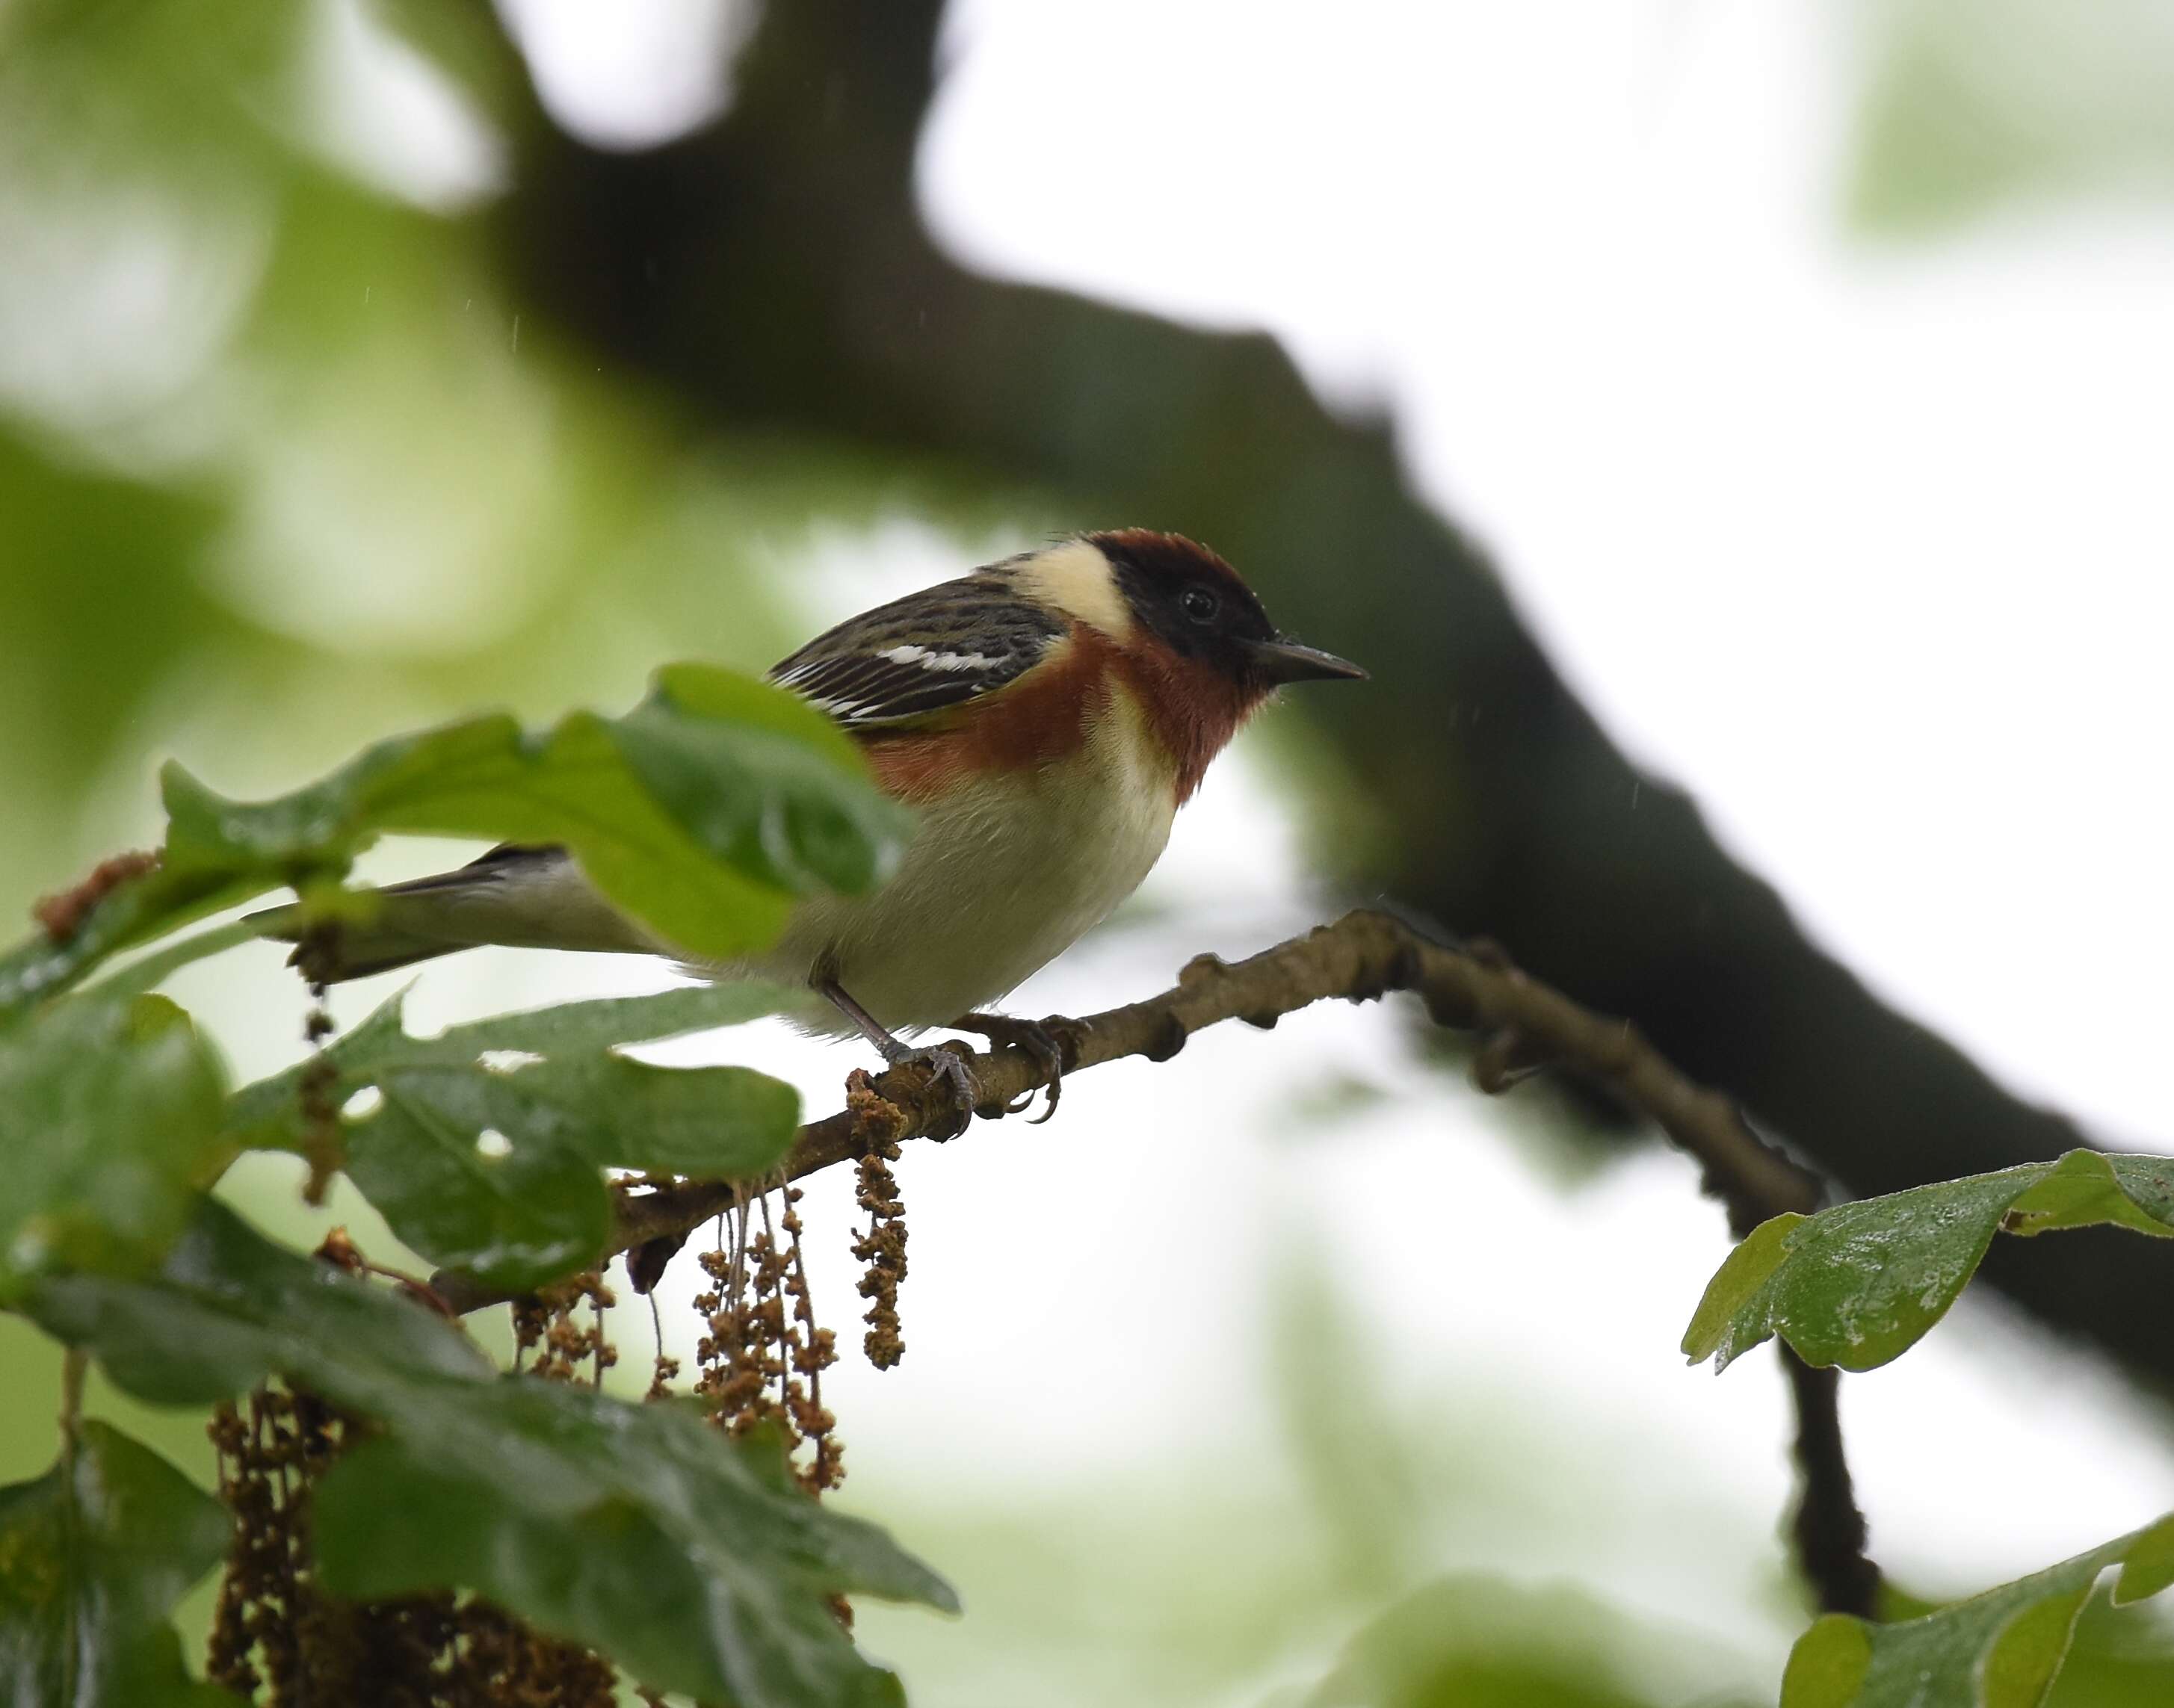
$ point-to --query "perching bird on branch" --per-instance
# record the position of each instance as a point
(1045, 716)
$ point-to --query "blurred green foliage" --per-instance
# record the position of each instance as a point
(1969, 107)
(279, 461)
(1474, 1642)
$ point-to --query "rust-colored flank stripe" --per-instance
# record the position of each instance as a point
(1038, 719)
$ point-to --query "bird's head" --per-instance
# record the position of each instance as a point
(1183, 598)
(1191, 638)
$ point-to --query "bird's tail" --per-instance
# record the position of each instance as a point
(347, 952)
(528, 897)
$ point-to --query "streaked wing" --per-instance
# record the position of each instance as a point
(926, 653)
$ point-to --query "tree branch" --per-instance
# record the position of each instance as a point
(1522, 1025)
(1827, 1528)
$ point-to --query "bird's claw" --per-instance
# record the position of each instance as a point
(1054, 1044)
(945, 1066)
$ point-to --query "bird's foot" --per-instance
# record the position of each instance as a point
(944, 1065)
(1053, 1042)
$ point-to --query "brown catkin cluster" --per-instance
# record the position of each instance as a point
(61, 915)
(498, 1662)
(762, 1358)
(269, 1622)
(882, 1249)
(278, 1642)
(548, 1322)
(662, 1373)
(322, 1147)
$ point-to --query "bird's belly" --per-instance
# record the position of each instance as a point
(999, 880)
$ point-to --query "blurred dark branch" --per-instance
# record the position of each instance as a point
(1827, 1528)
(1363, 956)
(774, 274)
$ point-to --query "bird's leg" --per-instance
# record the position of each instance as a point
(943, 1064)
(1054, 1043)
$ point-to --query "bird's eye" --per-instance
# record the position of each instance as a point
(1198, 604)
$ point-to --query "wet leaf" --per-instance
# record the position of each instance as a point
(763, 780)
(1998, 1649)
(694, 1564)
(702, 814)
(135, 912)
(110, 1125)
(484, 778)
(496, 1168)
(92, 1556)
(1859, 1284)
(515, 1210)
(639, 1529)
(262, 1113)
(227, 1307)
(598, 1023)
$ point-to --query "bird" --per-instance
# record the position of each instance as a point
(1045, 716)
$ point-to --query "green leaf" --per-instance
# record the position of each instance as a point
(484, 778)
(135, 912)
(639, 1529)
(1859, 1284)
(701, 813)
(598, 1023)
(1740, 1293)
(1998, 1649)
(261, 1111)
(763, 780)
(227, 1307)
(529, 1202)
(92, 1556)
(2085, 1188)
(515, 1216)
(109, 1123)
(697, 1568)
(2118, 1657)
(2148, 1565)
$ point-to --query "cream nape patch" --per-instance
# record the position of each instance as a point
(1074, 577)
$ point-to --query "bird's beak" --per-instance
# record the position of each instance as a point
(1280, 661)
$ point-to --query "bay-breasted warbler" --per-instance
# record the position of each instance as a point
(1045, 717)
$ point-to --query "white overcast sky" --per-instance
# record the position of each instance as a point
(1867, 546)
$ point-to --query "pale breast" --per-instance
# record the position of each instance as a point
(1001, 877)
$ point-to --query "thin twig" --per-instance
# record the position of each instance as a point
(1827, 1527)
(1522, 1025)
(75, 1366)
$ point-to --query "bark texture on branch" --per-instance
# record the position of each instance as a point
(1522, 1023)
(1364, 956)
